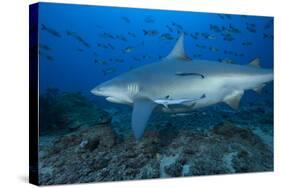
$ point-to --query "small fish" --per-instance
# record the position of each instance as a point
(128, 49)
(200, 46)
(46, 56)
(132, 34)
(126, 19)
(50, 58)
(205, 35)
(221, 16)
(208, 36)
(169, 28)
(211, 37)
(121, 37)
(78, 38)
(110, 46)
(194, 36)
(268, 25)
(215, 28)
(178, 26)
(150, 33)
(149, 19)
(233, 29)
(44, 47)
(86, 44)
(225, 30)
(102, 62)
(168, 101)
(118, 60)
(167, 36)
(213, 49)
(137, 59)
(251, 29)
(80, 50)
(109, 71)
(181, 114)
(267, 36)
(106, 35)
(247, 43)
(250, 24)
(100, 45)
(50, 31)
(228, 38)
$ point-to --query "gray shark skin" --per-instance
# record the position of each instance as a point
(219, 82)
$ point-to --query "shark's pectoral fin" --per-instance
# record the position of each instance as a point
(259, 88)
(233, 99)
(141, 112)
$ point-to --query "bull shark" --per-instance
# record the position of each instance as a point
(177, 84)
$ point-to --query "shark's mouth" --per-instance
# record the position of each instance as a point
(116, 100)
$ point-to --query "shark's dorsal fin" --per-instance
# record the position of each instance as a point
(141, 112)
(255, 62)
(233, 99)
(178, 50)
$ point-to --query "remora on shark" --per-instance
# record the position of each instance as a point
(177, 84)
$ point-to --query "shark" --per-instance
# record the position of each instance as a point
(177, 84)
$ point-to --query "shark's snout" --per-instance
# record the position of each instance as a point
(97, 91)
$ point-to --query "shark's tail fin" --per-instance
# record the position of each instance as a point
(255, 62)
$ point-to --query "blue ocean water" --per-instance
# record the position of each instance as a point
(86, 45)
(84, 138)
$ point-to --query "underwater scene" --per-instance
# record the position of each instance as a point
(130, 94)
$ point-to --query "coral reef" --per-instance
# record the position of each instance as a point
(66, 112)
(102, 148)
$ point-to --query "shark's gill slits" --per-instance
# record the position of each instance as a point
(133, 89)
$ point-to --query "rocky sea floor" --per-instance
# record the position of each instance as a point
(215, 140)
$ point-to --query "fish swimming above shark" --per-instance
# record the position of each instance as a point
(149, 87)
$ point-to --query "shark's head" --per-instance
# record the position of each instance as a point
(115, 90)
